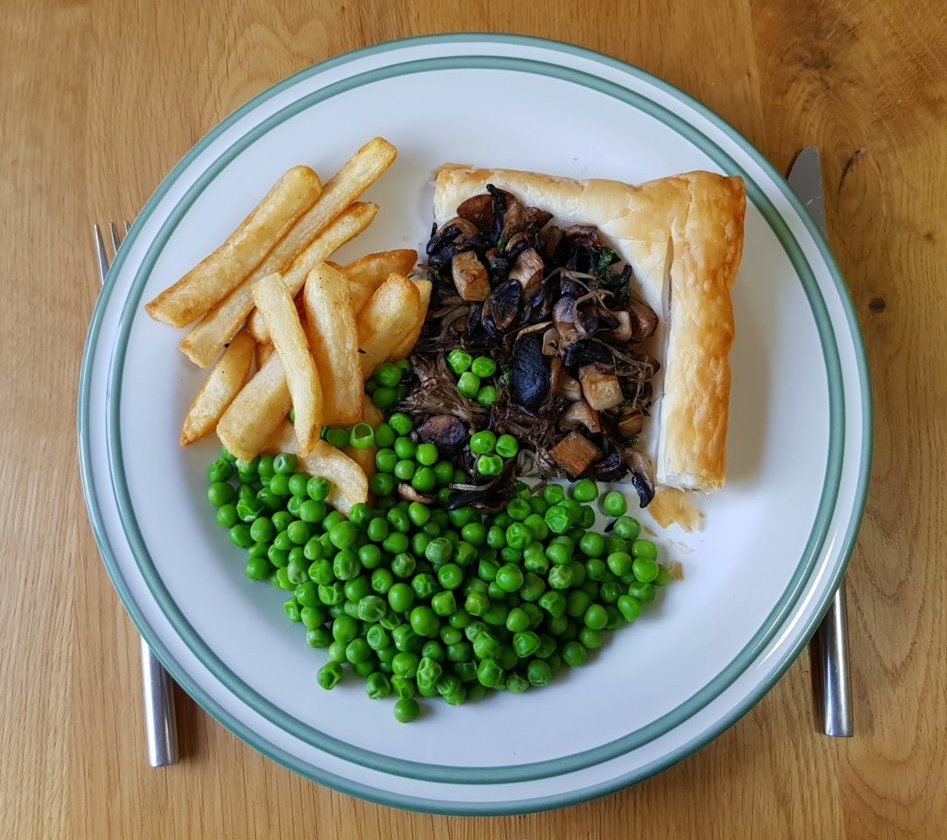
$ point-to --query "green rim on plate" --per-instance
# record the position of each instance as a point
(383, 763)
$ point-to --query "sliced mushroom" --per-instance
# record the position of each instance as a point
(551, 342)
(563, 315)
(550, 239)
(643, 320)
(503, 304)
(528, 271)
(479, 210)
(563, 383)
(537, 218)
(449, 232)
(448, 433)
(406, 491)
(498, 264)
(529, 381)
(642, 474)
(580, 413)
(600, 388)
(591, 316)
(575, 453)
(470, 276)
(585, 353)
(622, 332)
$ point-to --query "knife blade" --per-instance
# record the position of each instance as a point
(828, 650)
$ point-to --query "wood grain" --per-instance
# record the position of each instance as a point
(101, 99)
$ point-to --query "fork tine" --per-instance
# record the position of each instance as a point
(116, 236)
(100, 252)
(128, 226)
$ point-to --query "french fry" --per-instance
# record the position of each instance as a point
(365, 458)
(381, 321)
(202, 344)
(333, 339)
(368, 273)
(274, 301)
(371, 413)
(223, 383)
(413, 330)
(263, 352)
(349, 482)
(256, 412)
(217, 275)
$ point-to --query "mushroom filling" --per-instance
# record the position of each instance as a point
(554, 309)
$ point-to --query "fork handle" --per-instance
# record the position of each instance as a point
(160, 722)
(831, 643)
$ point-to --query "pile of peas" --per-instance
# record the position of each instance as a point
(421, 601)
(472, 373)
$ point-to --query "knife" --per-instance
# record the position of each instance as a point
(828, 650)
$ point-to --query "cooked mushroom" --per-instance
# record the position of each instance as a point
(574, 453)
(643, 321)
(550, 239)
(600, 388)
(563, 383)
(528, 271)
(584, 353)
(642, 478)
(563, 314)
(580, 413)
(407, 492)
(529, 380)
(592, 316)
(502, 305)
(551, 342)
(498, 264)
(537, 218)
(470, 276)
(449, 232)
(479, 210)
(448, 433)
(631, 425)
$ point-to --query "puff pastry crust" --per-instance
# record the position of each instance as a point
(683, 238)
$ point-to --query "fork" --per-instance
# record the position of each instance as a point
(160, 724)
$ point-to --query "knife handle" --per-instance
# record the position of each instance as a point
(831, 649)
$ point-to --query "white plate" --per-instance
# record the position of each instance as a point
(759, 575)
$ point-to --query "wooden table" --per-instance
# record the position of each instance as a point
(100, 99)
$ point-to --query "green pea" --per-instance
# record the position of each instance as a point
(424, 585)
(401, 424)
(279, 485)
(220, 493)
(585, 490)
(329, 675)
(489, 465)
(554, 603)
(615, 504)
(507, 446)
(406, 710)
(486, 396)
(220, 470)
(400, 597)
(240, 536)
(533, 587)
(402, 687)
(509, 577)
(439, 551)
(257, 568)
(629, 607)
(424, 480)
(643, 592)
(382, 579)
(538, 673)
(285, 463)
(387, 374)
(384, 397)
(483, 442)
(619, 563)
(227, 515)
(318, 637)
(459, 361)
